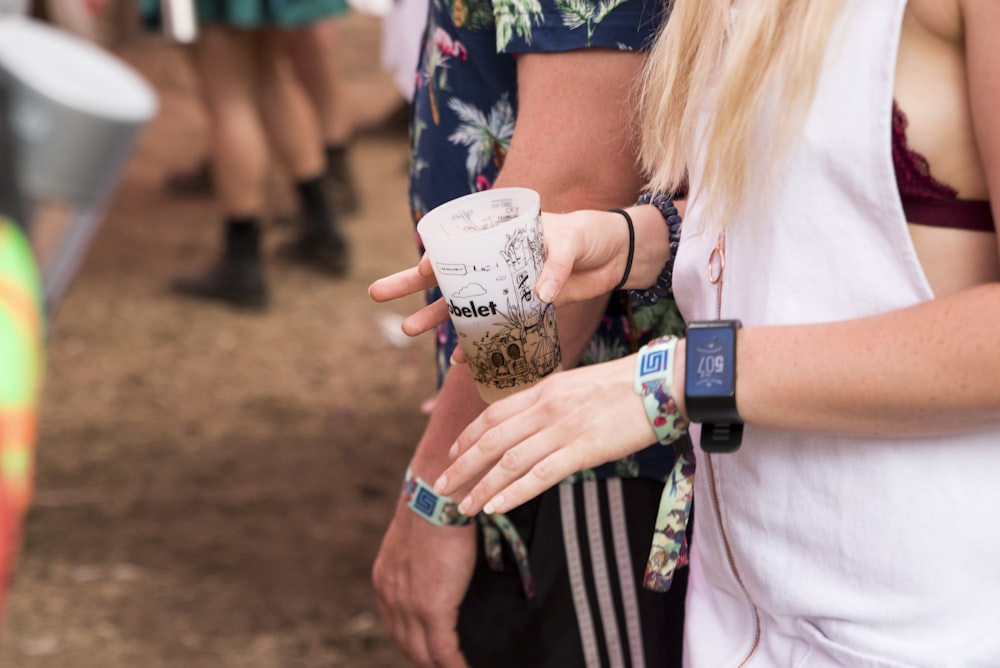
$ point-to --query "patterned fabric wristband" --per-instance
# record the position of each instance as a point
(664, 282)
(442, 511)
(436, 508)
(669, 549)
(495, 527)
(654, 373)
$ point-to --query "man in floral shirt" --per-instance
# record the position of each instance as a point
(534, 93)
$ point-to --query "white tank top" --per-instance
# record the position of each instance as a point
(851, 551)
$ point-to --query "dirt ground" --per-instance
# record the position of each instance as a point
(213, 485)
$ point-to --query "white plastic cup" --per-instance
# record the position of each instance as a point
(487, 250)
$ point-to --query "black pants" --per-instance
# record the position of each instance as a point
(587, 545)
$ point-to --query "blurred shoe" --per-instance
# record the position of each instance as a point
(237, 278)
(339, 181)
(238, 283)
(196, 182)
(330, 255)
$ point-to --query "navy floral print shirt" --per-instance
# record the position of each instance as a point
(464, 111)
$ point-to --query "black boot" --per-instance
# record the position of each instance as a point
(320, 244)
(237, 278)
(339, 181)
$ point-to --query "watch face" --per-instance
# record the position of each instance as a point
(709, 362)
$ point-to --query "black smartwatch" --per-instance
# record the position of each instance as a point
(710, 383)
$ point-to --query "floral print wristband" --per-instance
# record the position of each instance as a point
(654, 374)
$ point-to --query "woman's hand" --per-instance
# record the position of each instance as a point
(408, 282)
(586, 259)
(523, 445)
(586, 255)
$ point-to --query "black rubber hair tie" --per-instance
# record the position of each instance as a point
(631, 246)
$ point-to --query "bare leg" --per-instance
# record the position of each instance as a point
(312, 51)
(239, 143)
(286, 111)
(292, 126)
(196, 179)
(239, 167)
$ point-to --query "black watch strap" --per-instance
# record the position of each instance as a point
(721, 437)
(710, 383)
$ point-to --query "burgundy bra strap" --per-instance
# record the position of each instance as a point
(959, 214)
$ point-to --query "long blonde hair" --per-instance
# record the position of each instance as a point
(709, 74)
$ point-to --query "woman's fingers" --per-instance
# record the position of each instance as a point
(483, 450)
(522, 473)
(555, 272)
(426, 318)
(585, 256)
(408, 282)
(524, 444)
(561, 256)
(496, 414)
(517, 444)
(458, 356)
(402, 283)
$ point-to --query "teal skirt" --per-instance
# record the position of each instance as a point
(268, 13)
(253, 13)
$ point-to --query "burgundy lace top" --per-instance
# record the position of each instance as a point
(927, 201)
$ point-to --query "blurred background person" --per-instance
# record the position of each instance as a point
(256, 105)
(313, 51)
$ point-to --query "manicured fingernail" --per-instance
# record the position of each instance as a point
(547, 291)
(453, 451)
(491, 507)
(441, 483)
(465, 505)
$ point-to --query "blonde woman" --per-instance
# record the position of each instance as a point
(842, 159)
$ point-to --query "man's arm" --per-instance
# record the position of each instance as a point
(574, 142)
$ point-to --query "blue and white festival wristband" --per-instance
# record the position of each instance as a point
(436, 508)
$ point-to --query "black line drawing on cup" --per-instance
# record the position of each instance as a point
(525, 346)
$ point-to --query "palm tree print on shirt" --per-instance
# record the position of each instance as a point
(515, 16)
(577, 13)
(487, 136)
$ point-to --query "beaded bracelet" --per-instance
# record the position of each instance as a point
(654, 374)
(663, 288)
(436, 508)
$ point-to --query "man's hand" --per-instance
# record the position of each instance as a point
(421, 574)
